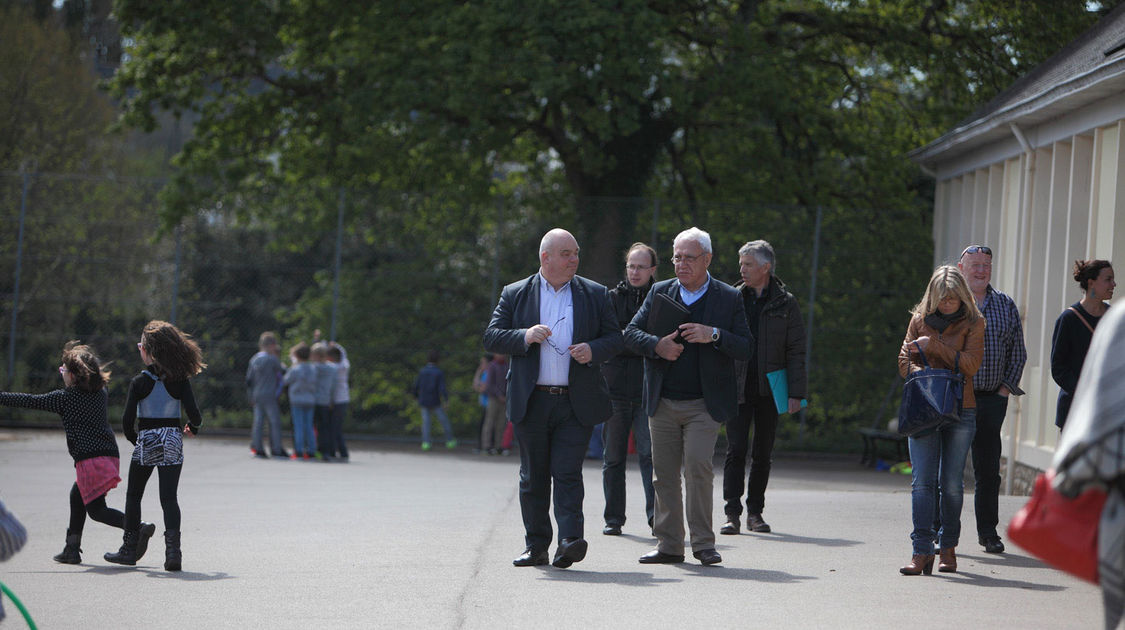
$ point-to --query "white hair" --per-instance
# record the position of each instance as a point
(694, 234)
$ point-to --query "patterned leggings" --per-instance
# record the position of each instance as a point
(169, 482)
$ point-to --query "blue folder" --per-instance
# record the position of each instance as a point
(779, 385)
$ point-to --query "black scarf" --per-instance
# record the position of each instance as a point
(940, 321)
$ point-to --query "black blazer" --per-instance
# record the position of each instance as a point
(723, 310)
(594, 323)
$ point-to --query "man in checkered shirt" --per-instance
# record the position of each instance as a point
(998, 378)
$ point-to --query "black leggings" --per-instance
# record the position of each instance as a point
(97, 509)
(169, 482)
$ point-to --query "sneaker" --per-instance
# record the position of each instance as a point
(492, 451)
(426, 446)
(294, 457)
(282, 454)
(307, 457)
(451, 444)
(505, 452)
(259, 454)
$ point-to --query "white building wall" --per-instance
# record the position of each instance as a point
(1039, 211)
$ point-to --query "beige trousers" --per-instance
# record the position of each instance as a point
(683, 438)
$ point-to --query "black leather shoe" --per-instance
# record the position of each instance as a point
(657, 556)
(730, 528)
(612, 530)
(532, 558)
(755, 523)
(992, 544)
(707, 556)
(570, 550)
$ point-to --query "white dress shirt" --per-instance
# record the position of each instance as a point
(556, 311)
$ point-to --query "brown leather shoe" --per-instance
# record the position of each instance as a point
(919, 564)
(755, 523)
(948, 562)
(730, 528)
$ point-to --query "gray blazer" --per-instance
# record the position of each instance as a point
(594, 323)
(724, 310)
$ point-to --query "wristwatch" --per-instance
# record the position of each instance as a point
(714, 335)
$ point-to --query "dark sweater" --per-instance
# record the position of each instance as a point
(140, 387)
(1069, 344)
(84, 419)
(682, 381)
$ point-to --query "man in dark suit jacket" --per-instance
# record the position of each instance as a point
(558, 328)
(689, 392)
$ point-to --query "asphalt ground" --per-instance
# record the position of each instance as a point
(397, 538)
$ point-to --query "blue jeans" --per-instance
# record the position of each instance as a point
(615, 434)
(444, 419)
(266, 411)
(940, 455)
(304, 439)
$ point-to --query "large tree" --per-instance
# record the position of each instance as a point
(786, 101)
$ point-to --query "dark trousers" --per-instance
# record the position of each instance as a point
(338, 414)
(761, 413)
(552, 448)
(97, 509)
(322, 419)
(991, 409)
(169, 484)
(615, 434)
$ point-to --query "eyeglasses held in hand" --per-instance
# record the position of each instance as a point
(550, 342)
(974, 249)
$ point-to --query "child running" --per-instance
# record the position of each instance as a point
(154, 400)
(91, 443)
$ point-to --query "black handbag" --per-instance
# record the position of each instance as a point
(931, 398)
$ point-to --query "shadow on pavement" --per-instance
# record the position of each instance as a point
(974, 579)
(805, 540)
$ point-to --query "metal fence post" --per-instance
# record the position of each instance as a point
(496, 257)
(26, 177)
(341, 197)
(179, 268)
(812, 303)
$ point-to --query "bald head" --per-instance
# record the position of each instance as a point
(558, 257)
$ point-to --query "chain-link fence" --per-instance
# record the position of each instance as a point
(391, 276)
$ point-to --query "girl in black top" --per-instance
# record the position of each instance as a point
(89, 438)
(153, 404)
(1075, 327)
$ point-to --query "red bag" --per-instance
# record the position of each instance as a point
(1060, 531)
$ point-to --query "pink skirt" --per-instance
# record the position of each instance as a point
(97, 476)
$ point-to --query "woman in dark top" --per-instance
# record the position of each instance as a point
(90, 440)
(1075, 327)
(154, 400)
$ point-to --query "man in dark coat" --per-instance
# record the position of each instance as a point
(689, 392)
(775, 321)
(558, 328)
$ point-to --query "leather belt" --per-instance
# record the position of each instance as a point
(552, 389)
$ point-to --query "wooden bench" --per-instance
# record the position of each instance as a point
(877, 433)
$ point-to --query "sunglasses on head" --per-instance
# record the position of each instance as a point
(974, 249)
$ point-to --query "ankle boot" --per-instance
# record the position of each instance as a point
(920, 563)
(127, 555)
(71, 552)
(948, 562)
(146, 531)
(172, 556)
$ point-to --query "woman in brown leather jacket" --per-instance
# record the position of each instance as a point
(949, 330)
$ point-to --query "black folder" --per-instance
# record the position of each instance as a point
(666, 315)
